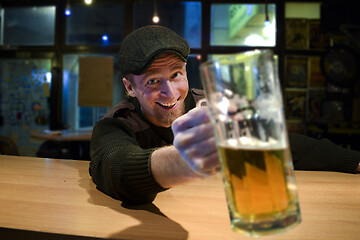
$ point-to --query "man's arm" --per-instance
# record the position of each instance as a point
(169, 169)
(125, 171)
(323, 155)
(119, 167)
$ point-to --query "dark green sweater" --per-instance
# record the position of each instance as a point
(123, 141)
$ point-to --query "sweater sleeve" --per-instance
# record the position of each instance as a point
(323, 155)
(119, 167)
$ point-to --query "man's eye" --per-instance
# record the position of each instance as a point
(175, 75)
(152, 82)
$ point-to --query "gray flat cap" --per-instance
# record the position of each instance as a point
(141, 47)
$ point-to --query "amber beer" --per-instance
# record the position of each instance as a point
(255, 181)
(243, 94)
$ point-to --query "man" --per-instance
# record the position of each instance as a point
(158, 138)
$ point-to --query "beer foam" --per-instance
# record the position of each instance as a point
(252, 143)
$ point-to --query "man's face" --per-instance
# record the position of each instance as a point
(161, 90)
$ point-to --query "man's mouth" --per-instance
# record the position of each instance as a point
(168, 105)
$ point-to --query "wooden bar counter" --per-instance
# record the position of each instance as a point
(44, 198)
(64, 135)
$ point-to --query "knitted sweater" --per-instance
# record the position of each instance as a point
(123, 141)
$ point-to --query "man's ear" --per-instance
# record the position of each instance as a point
(129, 87)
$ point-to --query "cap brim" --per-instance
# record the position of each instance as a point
(156, 56)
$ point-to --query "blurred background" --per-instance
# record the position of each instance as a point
(58, 71)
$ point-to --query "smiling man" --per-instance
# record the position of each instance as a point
(157, 137)
(132, 152)
(161, 90)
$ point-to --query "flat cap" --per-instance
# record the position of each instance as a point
(141, 47)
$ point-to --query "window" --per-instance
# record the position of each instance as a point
(100, 24)
(98, 30)
(192, 68)
(182, 17)
(76, 117)
(27, 26)
(243, 25)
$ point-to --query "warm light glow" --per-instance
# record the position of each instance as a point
(156, 19)
(88, 2)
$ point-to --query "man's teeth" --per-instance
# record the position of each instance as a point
(167, 104)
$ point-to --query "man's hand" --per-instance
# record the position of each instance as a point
(195, 141)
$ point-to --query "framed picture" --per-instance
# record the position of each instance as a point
(333, 110)
(314, 105)
(296, 75)
(318, 38)
(296, 33)
(333, 90)
(295, 104)
(316, 76)
(296, 126)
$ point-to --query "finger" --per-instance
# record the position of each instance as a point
(202, 149)
(193, 118)
(208, 164)
(201, 103)
(193, 136)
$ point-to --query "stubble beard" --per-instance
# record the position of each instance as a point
(169, 118)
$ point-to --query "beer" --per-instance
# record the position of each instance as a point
(247, 114)
(256, 187)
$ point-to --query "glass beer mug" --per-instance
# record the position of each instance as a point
(245, 104)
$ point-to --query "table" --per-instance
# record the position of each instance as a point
(55, 198)
(73, 144)
(63, 135)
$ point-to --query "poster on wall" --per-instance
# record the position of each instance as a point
(24, 93)
(96, 81)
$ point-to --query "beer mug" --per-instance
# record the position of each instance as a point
(244, 99)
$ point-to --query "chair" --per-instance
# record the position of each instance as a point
(8, 146)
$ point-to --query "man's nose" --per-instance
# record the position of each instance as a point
(167, 87)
